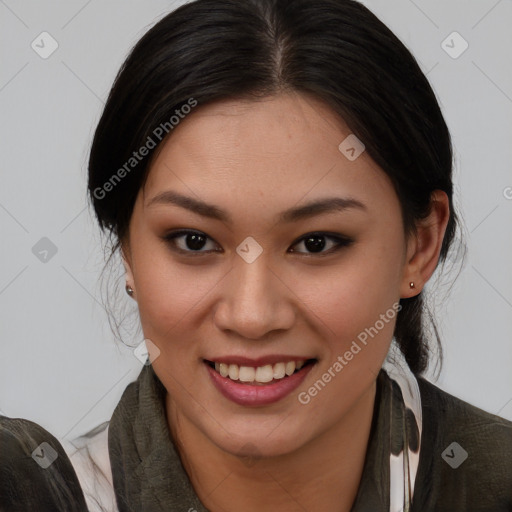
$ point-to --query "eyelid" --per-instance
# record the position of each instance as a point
(171, 236)
(341, 242)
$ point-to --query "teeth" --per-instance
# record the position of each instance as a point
(264, 373)
(290, 367)
(234, 371)
(260, 374)
(246, 374)
(223, 369)
(279, 371)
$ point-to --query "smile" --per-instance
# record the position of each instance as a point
(260, 374)
(258, 385)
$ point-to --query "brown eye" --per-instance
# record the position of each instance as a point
(196, 243)
(315, 243)
(190, 242)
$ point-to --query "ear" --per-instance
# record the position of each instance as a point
(424, 246)
(126, 256)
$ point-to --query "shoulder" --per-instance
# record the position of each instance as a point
(488, 434)
(35, 472)
(466, 453)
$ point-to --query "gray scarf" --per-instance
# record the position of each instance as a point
(148, 474)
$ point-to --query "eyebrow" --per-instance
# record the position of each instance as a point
(311, 209)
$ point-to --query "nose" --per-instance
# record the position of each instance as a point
(255, 301)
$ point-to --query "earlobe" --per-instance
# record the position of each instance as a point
(423, 254)
(130, 286)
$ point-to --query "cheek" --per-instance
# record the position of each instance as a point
(169, 294)
(170, 301)
(351, 296)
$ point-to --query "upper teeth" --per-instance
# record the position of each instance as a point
(259, 374)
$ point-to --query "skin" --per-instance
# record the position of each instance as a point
(255, 159)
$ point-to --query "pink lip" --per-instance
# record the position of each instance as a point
(254, 395)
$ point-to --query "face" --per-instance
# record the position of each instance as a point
(232, 264)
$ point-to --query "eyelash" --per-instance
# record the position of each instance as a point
(340, 243)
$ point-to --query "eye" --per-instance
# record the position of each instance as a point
(187, 241)
(190, 242)
(316, 243)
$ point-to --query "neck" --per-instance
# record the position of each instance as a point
(323, 475)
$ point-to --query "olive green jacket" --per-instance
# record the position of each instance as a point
(146, 474)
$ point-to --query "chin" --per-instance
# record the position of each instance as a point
(256, 443)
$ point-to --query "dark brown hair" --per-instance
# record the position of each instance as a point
(336, 50)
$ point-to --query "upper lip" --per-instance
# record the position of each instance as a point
(257, 361)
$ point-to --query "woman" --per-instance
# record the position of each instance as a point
(276, 175)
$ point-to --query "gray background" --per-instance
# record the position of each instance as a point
(60, 365)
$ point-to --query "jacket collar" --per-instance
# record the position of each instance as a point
(148, 473)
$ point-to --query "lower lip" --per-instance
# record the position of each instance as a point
(247, 394)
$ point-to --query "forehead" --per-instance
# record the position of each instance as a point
(275, 150)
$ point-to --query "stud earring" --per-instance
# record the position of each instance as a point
(411, 285)
(129, 290)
